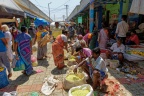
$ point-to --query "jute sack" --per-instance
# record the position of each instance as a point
(69, 84)
(82, 87)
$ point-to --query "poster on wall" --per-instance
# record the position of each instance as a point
(79, 19)
(114, 16)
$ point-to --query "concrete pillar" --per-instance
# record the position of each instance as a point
(91, 21)
(100, 15)
(121, 10)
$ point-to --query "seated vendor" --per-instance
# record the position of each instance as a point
(117, 50)
(79, 42)
(96, 67)
(133, 39)
(83, 53)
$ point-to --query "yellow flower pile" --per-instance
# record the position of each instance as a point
(136, 52)
(72, 57)
(1, 69)
(72, 78)
(72, 60)
(80, 92)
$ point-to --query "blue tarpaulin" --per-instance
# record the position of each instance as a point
(40, 21)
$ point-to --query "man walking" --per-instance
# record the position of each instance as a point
(122, 29)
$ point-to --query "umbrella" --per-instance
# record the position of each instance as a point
(137, 7)
(40, 21)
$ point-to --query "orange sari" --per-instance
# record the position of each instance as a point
(58, 53)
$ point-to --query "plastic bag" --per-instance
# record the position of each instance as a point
(13, 93)
(82, 87)
(34, 61)
(33, 58)
(3, 79)
(19, 65)
(49, 85)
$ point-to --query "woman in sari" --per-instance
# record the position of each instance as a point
(42, 50)
(23, 49)
(57, 49)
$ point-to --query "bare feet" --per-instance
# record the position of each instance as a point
(23, 72)
(9, 75)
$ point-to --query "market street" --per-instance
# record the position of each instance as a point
(26, 85)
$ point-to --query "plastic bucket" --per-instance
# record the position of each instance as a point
(3, 79)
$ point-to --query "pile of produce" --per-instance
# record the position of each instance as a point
(72, 60)
(136, 52)
(73, 78)
(80, 92)
(72, 57)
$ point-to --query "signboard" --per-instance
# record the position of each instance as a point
(79, 19)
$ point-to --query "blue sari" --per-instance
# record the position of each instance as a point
(24, 51)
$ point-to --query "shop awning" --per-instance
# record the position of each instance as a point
(137, 7)
(30, 15)
(9, 9)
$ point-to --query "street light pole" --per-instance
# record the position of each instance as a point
(49, 10)
(66, 12)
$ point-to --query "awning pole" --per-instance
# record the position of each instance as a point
(121, 10)
(100, 15)
(91, 16)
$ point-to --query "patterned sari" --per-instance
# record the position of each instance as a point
(24, 51)
(58, 53)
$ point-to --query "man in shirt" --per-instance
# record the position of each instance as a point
(32, 31)
(56, 30)
(96, 66)
(71, 32)
(122, 29)
(117, 51)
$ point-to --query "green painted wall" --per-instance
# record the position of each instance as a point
(126, 7)
(114, 8)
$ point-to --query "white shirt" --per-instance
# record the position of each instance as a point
(115, 48)
(64, 38)
(122, 29)
(99, 64)
(9, 36)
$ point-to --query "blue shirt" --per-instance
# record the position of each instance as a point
(2, 45)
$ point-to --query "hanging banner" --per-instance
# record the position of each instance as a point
(79, 19)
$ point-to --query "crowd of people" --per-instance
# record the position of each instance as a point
(87, 47)
(84, 45)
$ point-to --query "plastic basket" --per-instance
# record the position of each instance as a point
(3, 79)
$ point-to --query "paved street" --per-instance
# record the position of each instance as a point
(25, 85)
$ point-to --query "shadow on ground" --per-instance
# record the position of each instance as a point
(43, 63)
(56, 71)
(13, 84)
